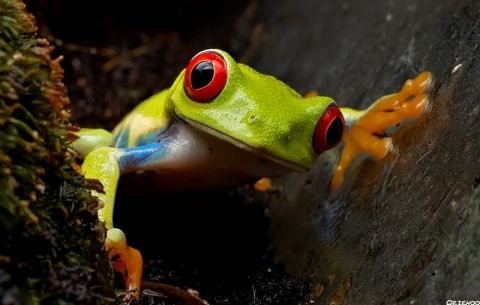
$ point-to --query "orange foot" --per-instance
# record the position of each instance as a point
(366, 128)
(263, 184)
(127, 261)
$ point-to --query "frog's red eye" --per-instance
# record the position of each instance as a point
(205, 76)
(329, 129)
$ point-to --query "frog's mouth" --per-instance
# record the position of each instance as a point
(260, 153)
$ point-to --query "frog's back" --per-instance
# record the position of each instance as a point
(144, 123)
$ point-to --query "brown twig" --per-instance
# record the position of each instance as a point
(171, 293)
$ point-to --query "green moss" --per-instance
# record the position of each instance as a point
(51, 242)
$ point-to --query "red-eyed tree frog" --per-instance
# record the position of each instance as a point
(222, 123)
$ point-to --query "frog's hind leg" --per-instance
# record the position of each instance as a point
(367, 129)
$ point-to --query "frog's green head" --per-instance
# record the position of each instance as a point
(255, 112)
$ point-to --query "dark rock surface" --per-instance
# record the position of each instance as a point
(404, 229)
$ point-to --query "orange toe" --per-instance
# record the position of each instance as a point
(126, 260)
(367, 131)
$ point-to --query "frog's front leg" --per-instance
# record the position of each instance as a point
(366, 129)
(104, 164)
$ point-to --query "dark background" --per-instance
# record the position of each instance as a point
(404, 229)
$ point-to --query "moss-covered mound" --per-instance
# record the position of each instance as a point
(51, 243)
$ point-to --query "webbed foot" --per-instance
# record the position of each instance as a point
(126, 260)
(366, 129)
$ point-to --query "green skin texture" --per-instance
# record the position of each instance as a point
(257, 110)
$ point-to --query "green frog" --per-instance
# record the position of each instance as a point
(222, 123)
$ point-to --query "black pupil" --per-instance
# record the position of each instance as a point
(334, 132)
(202, 74)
